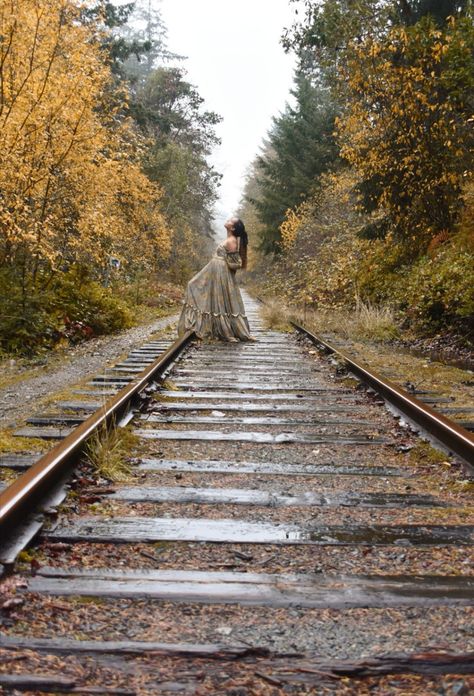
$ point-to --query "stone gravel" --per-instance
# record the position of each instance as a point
(80, 362)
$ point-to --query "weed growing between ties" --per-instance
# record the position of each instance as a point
(109, 451)
(424, 453)
(10, 444)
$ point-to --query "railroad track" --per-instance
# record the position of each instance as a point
(277, 535)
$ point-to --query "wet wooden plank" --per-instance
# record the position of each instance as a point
(100, 391)
(254, 420)
(88, 406)
(110, 383)
(165, 406)
(104, 379)
(66, 646)
(287, 395)
(458, 409)
(247, 362)
(429, 663)
(43, 433)
(55, 419)
(153, 354)
(269, 468)
(243, 496)
(258, 589)
(18, 461)
(37, 683)
(257, 437)
(255, 385)
(275, 373)
(435, 400)
(132, 364)
(151, 529)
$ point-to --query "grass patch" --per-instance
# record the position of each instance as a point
(108, 451)
(275, 315)
(374, 322)
(10, 444)
(424, 453)
(168, 385)
(365, 321)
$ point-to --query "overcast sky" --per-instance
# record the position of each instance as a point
(238, 65)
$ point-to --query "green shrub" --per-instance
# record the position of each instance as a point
(70, 306)
(435, 292)
(84, 301)
(439, 292)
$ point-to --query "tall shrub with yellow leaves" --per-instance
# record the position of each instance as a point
(71, 189)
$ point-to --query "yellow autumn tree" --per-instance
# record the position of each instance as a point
(407, 126)
(71, 189)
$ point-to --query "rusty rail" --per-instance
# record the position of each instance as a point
(447, 433)
(17, 501)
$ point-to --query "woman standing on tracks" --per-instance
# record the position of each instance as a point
(213, 305)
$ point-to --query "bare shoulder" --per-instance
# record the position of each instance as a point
(231, 244)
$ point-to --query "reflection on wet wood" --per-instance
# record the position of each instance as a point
(259, 372)
(165, 406)
(270, 468)
(257, 437)
(315, 591)
(149, 529)
(339, 395)
(253, 420)
(241, 496)
(254, 385)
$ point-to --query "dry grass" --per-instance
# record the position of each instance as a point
(109, 451)
(275, 315)
(365, 321)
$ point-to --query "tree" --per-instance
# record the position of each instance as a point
(406, 126)
(145, 29)
(299, 148)
(69, 168)
(181, 136)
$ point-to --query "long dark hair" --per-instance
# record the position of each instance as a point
(240, 233)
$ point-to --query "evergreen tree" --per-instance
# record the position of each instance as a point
(300, 147)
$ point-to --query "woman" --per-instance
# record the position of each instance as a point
(213, 305)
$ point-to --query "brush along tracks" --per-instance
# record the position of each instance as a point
(277, 533)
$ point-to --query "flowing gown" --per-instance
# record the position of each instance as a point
(213, 305)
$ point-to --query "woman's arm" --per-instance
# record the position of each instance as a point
(233, 260)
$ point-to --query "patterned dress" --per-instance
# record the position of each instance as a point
(213, 305)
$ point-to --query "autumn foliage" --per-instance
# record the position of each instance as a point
(406, 127)
(71, 188)
(77, 195)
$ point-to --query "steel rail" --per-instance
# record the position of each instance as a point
(17, 501)
(449, 434)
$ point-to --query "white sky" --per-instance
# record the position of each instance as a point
(236, 61)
